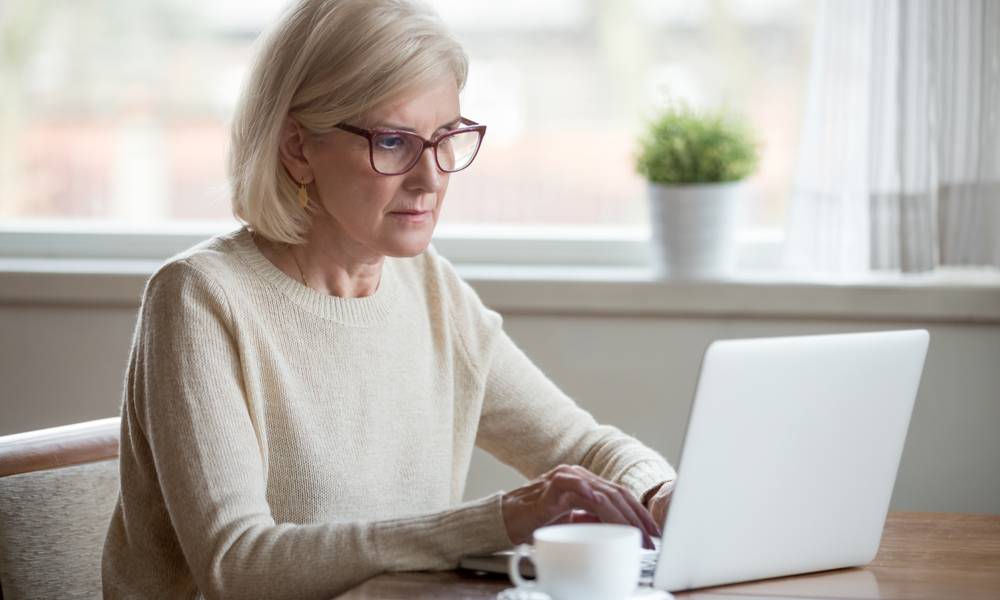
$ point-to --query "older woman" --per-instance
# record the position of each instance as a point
(303, 394)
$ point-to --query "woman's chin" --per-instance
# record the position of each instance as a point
(409, 244)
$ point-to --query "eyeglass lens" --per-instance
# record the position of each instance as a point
(395, 153)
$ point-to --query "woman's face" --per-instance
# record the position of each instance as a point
(372, 213)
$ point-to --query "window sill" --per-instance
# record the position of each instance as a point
(971, 296)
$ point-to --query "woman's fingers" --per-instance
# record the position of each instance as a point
(626, 503)
(575, 516)
(582, 516)
(594, 503)
(571, 491)
(555, 496)
(644, 514)
(615, 511)
(629, 506)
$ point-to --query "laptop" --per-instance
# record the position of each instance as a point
(789, 459)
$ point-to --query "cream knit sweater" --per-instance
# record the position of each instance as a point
(282, 443)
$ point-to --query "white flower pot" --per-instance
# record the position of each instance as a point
(694, 228)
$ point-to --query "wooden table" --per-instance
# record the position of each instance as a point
(923, 556)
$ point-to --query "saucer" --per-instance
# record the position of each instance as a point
(642, 593)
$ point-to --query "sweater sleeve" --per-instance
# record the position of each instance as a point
(531, 425)
(187, 404)
(527, 422)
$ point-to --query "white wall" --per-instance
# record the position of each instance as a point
(62, 361)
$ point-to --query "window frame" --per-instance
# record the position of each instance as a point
(522, 245)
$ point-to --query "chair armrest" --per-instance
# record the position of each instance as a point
(79, 443)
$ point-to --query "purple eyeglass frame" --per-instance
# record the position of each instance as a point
(369, 134)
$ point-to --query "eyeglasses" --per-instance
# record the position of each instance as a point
(394, 152)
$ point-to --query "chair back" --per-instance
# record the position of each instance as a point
(58, 488)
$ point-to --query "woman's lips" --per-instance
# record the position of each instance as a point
(412, 216)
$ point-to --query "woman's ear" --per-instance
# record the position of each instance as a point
(291, 150)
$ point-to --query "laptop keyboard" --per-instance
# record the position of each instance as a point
(647, 563)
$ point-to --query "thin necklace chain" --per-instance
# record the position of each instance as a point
(301, 273)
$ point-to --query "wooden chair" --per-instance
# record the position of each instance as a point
(58, 488)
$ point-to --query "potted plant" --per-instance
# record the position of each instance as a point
(696, 164)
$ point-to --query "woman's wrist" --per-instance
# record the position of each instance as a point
(648, 494)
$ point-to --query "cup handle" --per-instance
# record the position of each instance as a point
(522, 551)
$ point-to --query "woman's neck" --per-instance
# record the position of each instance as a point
(325, 266)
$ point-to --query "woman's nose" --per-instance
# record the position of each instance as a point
(425, 175)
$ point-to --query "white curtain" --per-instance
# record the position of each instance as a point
(899, 166)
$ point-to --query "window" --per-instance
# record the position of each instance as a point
(116, 111)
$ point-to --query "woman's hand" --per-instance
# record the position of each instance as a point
(561, 493)
(657, 500)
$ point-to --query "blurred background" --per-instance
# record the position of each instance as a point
(117, 110)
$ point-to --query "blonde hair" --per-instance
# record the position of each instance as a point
(325, 62)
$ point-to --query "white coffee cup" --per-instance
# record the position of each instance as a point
(581, 561)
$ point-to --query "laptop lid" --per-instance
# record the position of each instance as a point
(790, 456)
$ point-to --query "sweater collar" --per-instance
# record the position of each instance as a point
(355, 311)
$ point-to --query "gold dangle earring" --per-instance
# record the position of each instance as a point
(303, 195)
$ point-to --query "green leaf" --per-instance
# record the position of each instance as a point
(682, 146)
